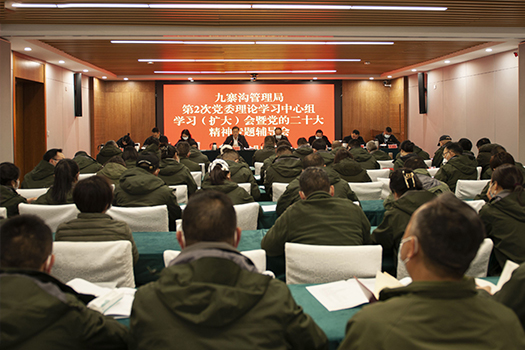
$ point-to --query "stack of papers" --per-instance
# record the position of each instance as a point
(508, 269)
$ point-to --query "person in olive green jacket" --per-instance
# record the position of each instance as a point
(268, 150)
(268, 161)
(378, 154)
(43, 175)
(183, 150)
(219, 179)
(38, 311)
(365, 159)
(86, 163)
(347, 168)
(318, 218)
(93, 197)
(284, 168)
(504, 216)
(418, 165)
(437, 160)
(66, 176)
(175, 173)
(9, 181)
(485, 149)
(495, 161)
(198, 157)
(240, 172)
(336, 146)
(319, 146)
(140, 187)
(441, 309)
(113, 169)
(109, 150)
(130, 156)
(406, 151)
(457, 167)
(303, 148)
(213, 297)
(153, 147)
(511, 293)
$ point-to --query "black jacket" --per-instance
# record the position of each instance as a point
(391, 140)
(312, 139)
(348, 138)
(241, 141)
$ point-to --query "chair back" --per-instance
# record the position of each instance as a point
(367, 191)
(385, 190)
(480, 265)
(377, 173)
(246, 186)
(247, 215)
(203, 167)
(278, 189)
(433, 171)
(53, 215)
(468, 189)
(428, 162)
(142, 219)
(3, 212)
(31, 192)
(386, 164)
(85, 176)
(181, 192)
(321, 264)
(110, 261)
(476, 205)
(258, 166)
(197, 176)
(257, 256)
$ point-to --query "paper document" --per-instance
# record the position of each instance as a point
(267, 208)
(508, 269)
(339, 295)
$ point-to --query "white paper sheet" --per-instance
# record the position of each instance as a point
(84, 287)
(268, 208)
(508, 269)
(341, 295)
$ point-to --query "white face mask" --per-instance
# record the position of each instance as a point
(278, 137)
(318, 137)
(445, 160)
(185, 138)
(387, 136)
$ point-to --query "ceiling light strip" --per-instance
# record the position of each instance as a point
(251, 60)
(242, 72)
(252, 42)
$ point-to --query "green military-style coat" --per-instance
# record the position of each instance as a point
(10, 199)
(241, 173)
(175, 173)
(108, 152)
(350, 171)
(191, 165)
(302, 152)
(511, 293)
(86, 164)
(284, 168)
(266, 164)
(457, 168)
(42, 176)
(437, 160)
(483, 158)
(260, 155)
(365, 159)
(328, 157)
(380, 155)
(237, 194)
(400, 161)
(113, 172)
(197, 156)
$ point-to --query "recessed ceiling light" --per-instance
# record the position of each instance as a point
(447, 61)
(149, 62)
(367, 62)
(315, 78)
(27, 49)
(104, 77)
(85, 70)
(371, 78)
(61, 61)
(414, 70)
(126, 79)
(389, 76)
(488, 50)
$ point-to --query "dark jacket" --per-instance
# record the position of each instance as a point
(283, 138)
(365, 159)
(328, 157)
(483, 194)
(511, 293)
(457, 168)
(108, 152)
(350, 171)
(421, 153)
(87, 164)
(191, 165)
(349, 138)
(47, 199)
(42, 176)
(237, 194)
(241, 140)
(113, 171)
(131, 163)
(312, 138)
(284, 168)
(120, 142)
(152, 148)
(262, 154)
(302, 152)
(175, 173)
(400, 161)
(241, 173)
(10, 199)
(437, 160)
(430, 184)
(190, 140)
(380, 155)
(390, 141)
(483, 159)
(198, 157)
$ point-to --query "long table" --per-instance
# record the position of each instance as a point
(246, 154)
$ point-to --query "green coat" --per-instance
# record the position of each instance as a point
(487, 175)
(197, 156)
(505, 224)
(112, 171)
(431, 185)
(400, 161)
(266, 164)
(10, 199)
(47, 199)
(457, 168)
(95, 227)
(434, 316)
(42, 176)
(237, 194)
(380, 155)
(152, 148)
(320, 220)
(108, 152)
(421, 153)
(191, 165)
(327, 157)
(139, 188)
(284, 169)
(130, 163)
(213, 303)
(350, 171)
(175, 173)
(364, 158)
(511, 294)
(87, 164)
(483, 158)
(437, 160)
(260, 155)
(39, 312)
(303, 151)
(483, 193)
(241, 173)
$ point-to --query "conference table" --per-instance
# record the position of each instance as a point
(247, 154)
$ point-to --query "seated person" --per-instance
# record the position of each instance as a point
(140, 187)
(284, 168)
(347, 168)
(184, 151)
(38, 311)
(504, 216)
(198, 157)
(185, 136)
(418, 165)
(125, 141)
(268, 150)
(216, 297)
(378, 154)
(9, 181)
(303, 148)
(408, 196)
(240, 172)
(130, 156)
(113, 169)
(466, 144)
(86, 163)
(485, 148)
(66, 176)
(268, 161)
(155, 135)
(109, 150)
(319, 136)
(93, 197)
(154, 146)
(487, 174)
(318, 218)
(355, 135)
(406, 151)
(220, 180)
(365, 159)
(437, 160)
(511, 293)
(236, 139)
(495, 161)
(43, 175)
(291, 195)
(278, 135)
(319, 146)
(387, 137)
(336, 146)
(457, 167)
(175, 173)
(440, 309)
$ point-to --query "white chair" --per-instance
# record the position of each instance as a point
(110, 261)
(258, 166)
(31, 192)
(479, 172)
(178, 224)
(428, 162)
(247, 215)
(433, 171)
(169, 255)
(468, 189)
(367, 191)
(142, 219)
(197, 176)
(377, 173)
(85, 176)
(278, 189)
(203, 167)
(257, 256)
(386, 164)
(181, 192)
(3, 212)
(307, 263)
(480, 265)
(385, 191)
(53, 215)
(247, 186)
(476, 205)
(137, 146)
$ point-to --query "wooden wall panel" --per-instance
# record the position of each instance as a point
(28, 68)
(142, 114)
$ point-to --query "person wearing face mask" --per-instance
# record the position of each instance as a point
(279, 135)
(319, 136)
(441, 309)
(9, 183)
(185, 136)
(457, 166)
(437, 160)
(43, 175)
(386, 137)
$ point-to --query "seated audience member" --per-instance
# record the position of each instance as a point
(495, 161)
(125, 141)
(279, 135)
(216, 297)
(378, 154)
(86, 163)
(511, 293)
(457, 167)
(175, 173)
(109, 150)
(418, 151)
(485, 148)
(66, 176)
(184, 150)
(417, 164)
(113, 169)
(185, 136)
(227, 148)
(43, 175)
(466, 144)
(155, 135)
(336, 146)
(303, 148)
(355, 135)
(487, 174)
(387, 137)
(406, 151)
(154, 146)
(197, 156)
(130, 156)
(318, 218)
(504, 216)
(319, 146)
(38, 311)
(267, 151)
(268, 161)
(319, 136)
(347, 168)
(9, 182)
(240, 172)
(220, 180)
(437, 160)
(291, 195)
(93, 197)
(236, 139)
(440, 309)
(284, 168)
(365, 159)
(408, 196)
(140, 187)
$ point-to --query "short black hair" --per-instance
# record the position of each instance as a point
(500, 159)
(342, 154)
(283, 143)
(116, 159)
(148, 161)
(230, 154)
(319, 145)
(81, 153)
(169, 152)
(508, 177)
(25, 242)
(407, 146)
(482, 141)
(319, 131)
(220, 223)
(465, 143)
(130, 153)
(388, 129)
(455, 147)
(313, 160)
(497, 149)
(355, 132)
(337, 144)
(93, 194)
(278, 128)
(50, 154)
(235, 127)
(314, 179)
(8, 172)
(283, 150)
(269, 141)
(183, 148)
(155, 129)
(354, 143)
(449, 233)
(415, 163)
(403, 180)
(301, 141)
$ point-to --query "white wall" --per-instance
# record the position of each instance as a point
(474, 99)
(6, 103)
(66, 131)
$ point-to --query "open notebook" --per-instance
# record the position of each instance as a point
(508, 269)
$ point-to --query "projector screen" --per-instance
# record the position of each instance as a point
(209, 111)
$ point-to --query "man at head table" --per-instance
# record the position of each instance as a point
(236, 139)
